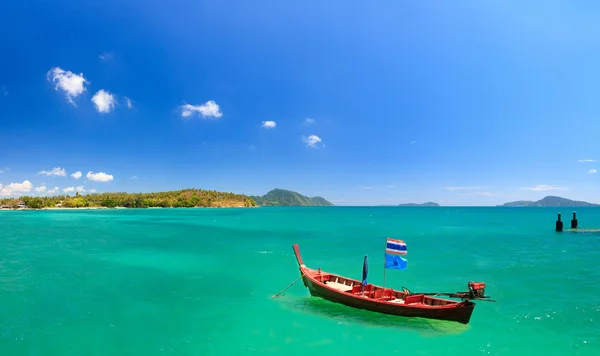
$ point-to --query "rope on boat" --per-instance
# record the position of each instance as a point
(286, 288)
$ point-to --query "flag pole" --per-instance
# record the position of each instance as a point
(384, 253)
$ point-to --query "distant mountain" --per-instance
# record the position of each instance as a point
(282, 197)
(520, 203)
(424, 204)
(550, 201)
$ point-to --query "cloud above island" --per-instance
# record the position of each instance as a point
(76, 175)
(545, 187)
(210, 109)
(99, 177)
(79, 189)
(15, 188)
(57, 171)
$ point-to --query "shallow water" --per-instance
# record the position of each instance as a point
(200, 281)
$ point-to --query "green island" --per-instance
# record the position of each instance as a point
(429, 204)
(550, 201)
(282, 197)
(186, 198)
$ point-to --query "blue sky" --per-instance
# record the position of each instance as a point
(462, 103)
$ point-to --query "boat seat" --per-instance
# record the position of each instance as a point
(415, 298)
(357, 289)
(324, 277)
(383, 294)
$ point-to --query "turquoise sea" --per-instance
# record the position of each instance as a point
(200, 281)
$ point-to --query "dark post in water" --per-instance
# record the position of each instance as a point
(574, 221)
(559, 224)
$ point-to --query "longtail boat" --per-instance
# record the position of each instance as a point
(357, 294)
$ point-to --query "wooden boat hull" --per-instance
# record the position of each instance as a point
(461, 313)
(381, 300)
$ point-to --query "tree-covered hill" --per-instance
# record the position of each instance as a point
(282, 197)
(186, 198)
(550, 201)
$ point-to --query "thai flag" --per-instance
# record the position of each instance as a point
(395, 247)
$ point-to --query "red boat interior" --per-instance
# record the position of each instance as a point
(371, 291)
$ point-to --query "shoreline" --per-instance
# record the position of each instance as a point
(123, 208)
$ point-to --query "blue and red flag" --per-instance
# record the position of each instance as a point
(395, 247)
(393, 250)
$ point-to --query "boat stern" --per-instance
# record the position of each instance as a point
(463, 313)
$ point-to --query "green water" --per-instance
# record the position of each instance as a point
(200, 281)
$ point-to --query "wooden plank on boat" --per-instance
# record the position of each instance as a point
(339, 286)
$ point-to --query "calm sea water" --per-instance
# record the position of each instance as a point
(200, 281)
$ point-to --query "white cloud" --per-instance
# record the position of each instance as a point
(40, 189)
(133, 178)
(53, 191)
(593, 170)
(129, 103)
(586, 160)
(453, 189)
(309, 120)
(76, 175)
(269, 124)
(69, 190)
(72, 84)
(104, 101)
(16, 188)
(57, 171)
(208, 109)
(92, 191)
(312, 140)
(80, 189)
(99, 177)
(545, 187)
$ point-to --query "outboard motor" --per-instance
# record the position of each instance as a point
(476, 289)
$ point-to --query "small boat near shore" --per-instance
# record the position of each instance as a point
(362, 295)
